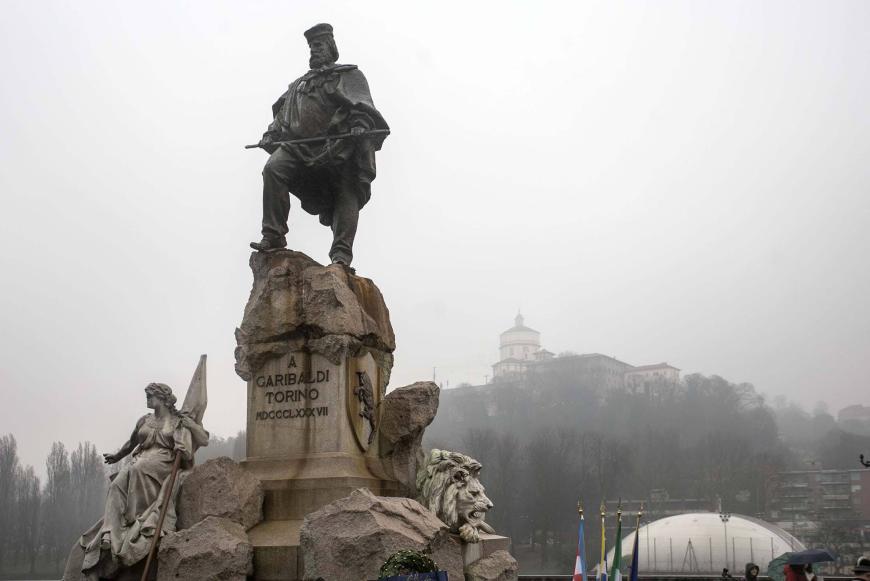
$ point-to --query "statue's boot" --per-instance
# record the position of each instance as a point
(269, 244)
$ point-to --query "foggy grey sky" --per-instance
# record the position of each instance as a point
(664, 181)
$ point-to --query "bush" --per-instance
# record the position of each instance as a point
(405, 562)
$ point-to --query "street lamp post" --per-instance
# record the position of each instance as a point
(863, 463)
(725, 517)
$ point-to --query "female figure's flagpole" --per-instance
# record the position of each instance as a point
(166, 499)
(194, 406)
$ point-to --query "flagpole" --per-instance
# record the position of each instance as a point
(602, 565)
(580, 562)
(639, 516)
(615, 567)
(634, 550)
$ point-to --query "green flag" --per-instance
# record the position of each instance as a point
(615, 573)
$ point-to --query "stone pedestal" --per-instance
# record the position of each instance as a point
(489, 544)
(315, 347)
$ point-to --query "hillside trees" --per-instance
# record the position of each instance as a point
(545, 445)
(39, 523)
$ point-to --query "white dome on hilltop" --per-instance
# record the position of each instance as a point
(698, 542)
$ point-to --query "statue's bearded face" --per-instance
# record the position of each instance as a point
(321, 53)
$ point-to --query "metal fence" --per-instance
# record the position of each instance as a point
(705, 554)
(668, 577)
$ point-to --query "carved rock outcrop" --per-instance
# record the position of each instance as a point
(220, 488)
(405, 414)
(351, 537)
(499, 566)
(215, 549)
(294, 297)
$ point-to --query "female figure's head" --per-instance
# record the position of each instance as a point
(159, 395)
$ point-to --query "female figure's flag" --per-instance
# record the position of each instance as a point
(580, 562)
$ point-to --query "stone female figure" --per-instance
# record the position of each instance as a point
(122, 537)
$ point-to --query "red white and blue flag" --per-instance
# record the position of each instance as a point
(580, 563)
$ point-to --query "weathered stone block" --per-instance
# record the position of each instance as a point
(406, 412)
(215, 549)
(499, 566)
(221, 488)
(295, 298)
(351, 537)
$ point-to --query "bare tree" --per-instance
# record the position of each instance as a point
(27, 500)
(8, 474)
(88, 485)
(240, 446)
(56, 522)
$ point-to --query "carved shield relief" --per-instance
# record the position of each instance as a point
(364, 398)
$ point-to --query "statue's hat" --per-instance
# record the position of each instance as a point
(318, 30)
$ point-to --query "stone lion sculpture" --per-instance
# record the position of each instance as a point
(448, 484)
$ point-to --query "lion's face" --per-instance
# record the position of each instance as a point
(449, 485)
(472, 503)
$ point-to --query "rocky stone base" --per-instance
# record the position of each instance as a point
(499, 566)
(216, 504)
(406, 412)
(220, 488)
(295, 297)
(214, 549)
(353, 536)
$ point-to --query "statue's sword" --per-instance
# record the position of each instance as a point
(322, 138)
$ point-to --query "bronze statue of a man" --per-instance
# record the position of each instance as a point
(331, 177)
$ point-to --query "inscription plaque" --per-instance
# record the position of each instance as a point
(292, 406)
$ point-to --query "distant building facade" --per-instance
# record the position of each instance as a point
(820, 495)
(859, 413)
(593, 368)
(652, 380)
(824, 508)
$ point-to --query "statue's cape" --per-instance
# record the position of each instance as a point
(352, 90)
(355, 107)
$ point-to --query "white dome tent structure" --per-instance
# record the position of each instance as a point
(701, 543)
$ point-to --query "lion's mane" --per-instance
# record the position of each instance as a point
(437, 490)
(449, 485)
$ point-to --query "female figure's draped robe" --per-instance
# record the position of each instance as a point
(136, 494)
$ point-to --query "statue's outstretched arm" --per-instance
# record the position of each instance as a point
(128, 446)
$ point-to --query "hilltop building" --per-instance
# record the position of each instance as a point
(518, 346)
(522, 360)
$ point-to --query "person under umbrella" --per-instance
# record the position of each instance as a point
(862, 569)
